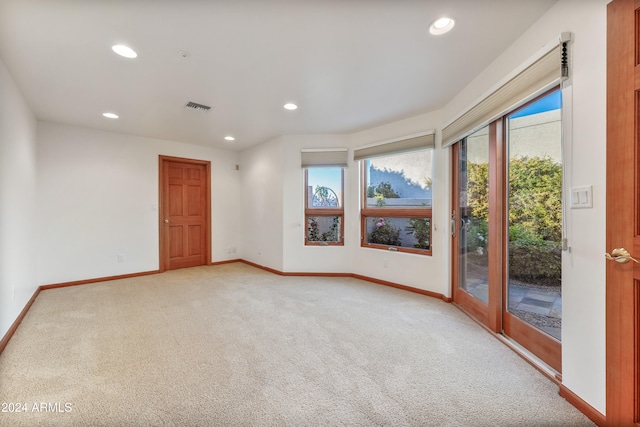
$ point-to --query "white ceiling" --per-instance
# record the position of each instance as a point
(348, 64)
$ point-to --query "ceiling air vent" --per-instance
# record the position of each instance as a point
(198, 107)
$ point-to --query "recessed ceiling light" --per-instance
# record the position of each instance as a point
(290, 106)
(441, 26)
(229, 138)
(125, 51)
(110, 115)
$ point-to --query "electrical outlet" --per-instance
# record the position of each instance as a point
(120, 257)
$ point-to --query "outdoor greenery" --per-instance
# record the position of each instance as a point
(385, 234)
(382, 191)
(332, 235)
(535, 217)
(324, 196)
(536, 262)
(420, 228)
(535, 188)
(478, 190)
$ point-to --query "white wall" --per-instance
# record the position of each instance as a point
(273, 192)
(423, 272)
(261, 171)
(583, 282)
(18, 243)
(297, 256)
(98, 197)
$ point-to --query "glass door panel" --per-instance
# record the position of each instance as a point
(507, 226)
(473, 266)
(534, 215)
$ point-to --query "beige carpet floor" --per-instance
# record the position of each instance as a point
(233, 345)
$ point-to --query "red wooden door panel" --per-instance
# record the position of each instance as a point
(185, 216)
(623, 220)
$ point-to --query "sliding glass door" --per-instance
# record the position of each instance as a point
(477, 242)
(533, 308)
(470, 222)
(507, 226)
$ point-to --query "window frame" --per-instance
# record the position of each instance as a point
(386, 212)
(324, 212)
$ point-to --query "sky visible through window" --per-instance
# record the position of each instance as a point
(326, 177)
(553, 101)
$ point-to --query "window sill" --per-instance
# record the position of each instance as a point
(388, 248)
(324, 243)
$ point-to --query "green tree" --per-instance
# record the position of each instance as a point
(535, 196)
(478, 190)
(384, 189)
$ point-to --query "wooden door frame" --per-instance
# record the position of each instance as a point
(465, 301)
(473, 306)
(488, 314)
(542, 345)
(622, 302)
(163, 238)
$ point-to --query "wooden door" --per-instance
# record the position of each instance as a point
(531, 308)
(623, 223)
(185, 213)
(477, 277)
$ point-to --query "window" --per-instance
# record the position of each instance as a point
(324, 212)
(397, 196)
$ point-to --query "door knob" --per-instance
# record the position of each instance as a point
(620, 255)
(166, 221)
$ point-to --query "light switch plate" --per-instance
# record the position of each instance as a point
(582, 197)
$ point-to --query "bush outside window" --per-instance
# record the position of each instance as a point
(398, 202)
(324, 211)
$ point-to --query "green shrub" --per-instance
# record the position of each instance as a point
(478, 189)
(535, 217)
(331, 235)
(477, 234)
(520, 233)
(385, 234)
(537, 262)
(420, 228)
(535, 202)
